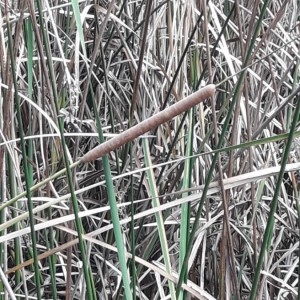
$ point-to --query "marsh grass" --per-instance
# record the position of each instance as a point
(205, 206)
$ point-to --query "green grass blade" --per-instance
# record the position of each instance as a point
(185, 209)
(220, 144)
(114, 209)
(91, 293)
(158, 216)
(271, 218)
(28, 178)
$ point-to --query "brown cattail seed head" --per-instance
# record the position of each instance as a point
(150, 123)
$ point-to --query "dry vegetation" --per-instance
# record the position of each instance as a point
(203, 207)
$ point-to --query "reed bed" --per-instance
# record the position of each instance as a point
(114, 185)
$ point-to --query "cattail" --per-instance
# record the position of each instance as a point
(150, 123)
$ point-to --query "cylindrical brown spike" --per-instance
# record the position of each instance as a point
(150, 123)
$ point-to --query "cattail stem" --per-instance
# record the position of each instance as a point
(149, 124)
